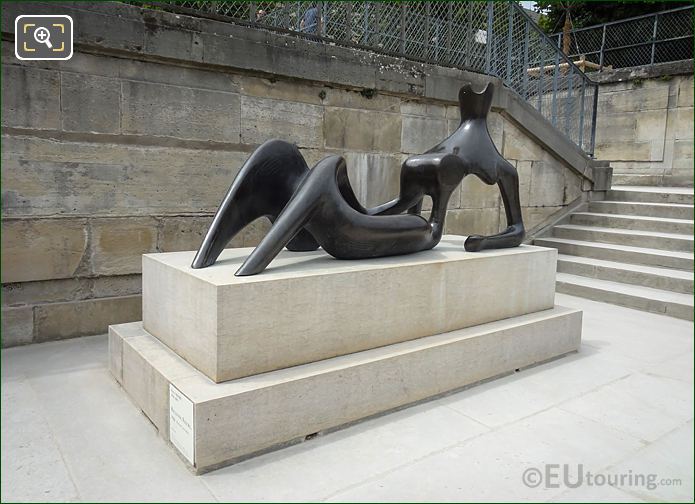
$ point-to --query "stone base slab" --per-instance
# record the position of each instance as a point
(240, 418)
(308, 306)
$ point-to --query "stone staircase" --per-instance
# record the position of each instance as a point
(634, 249)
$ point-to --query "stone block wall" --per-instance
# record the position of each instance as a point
(645, 124)
(111, 155)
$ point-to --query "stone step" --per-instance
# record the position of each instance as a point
(633, 238)
(622, 179)
(633, 296)
(636, 222)
(217, 424)
(645, 194)
(621, 253)
(666, 210)
(648, 276)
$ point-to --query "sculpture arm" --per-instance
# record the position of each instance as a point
(508, 182)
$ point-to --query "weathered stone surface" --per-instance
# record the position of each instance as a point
(41, 177)
(118, 244)
(42, 249)
(650, 125)
(90, 103)
(477, 194)
(181, 112)
(683, 154)
(169, 42)
(374, 178)
(91, 64)
(264, 119)
(516, 145)
(151, 72)
(362, 130)
(30, 97)
(357, 100)
(637, 126)
(81, 318)
(547, 184)
(680, 123)
(115, 286)
(616, 127)
(398, 79)
(419, 134)
(287, 91)
(653, 98)
(624, 151)
(17, 326)
(185, 233)
(482, 221)
(430, 110)
(524, 169)
(46, 291)
(685, 91)
(533, 216)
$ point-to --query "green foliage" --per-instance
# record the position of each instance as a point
(592, 13)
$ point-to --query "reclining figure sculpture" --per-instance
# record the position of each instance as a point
(317, 207)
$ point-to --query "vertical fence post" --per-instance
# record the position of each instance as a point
(603, 44)
(252, 12)
(402, 35)
(568, 102)
(427, 30)
(556, 71)
(593, 120)
(510, 28)
(319, 19)
(656, 24)
(488, 37)
(541, 75)
(365, 24)
(449, 16)
(581, 113)
(377, 22)
(347, 35)
(469, 33)
(525, 67)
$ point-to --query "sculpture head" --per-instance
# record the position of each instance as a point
(475, 105)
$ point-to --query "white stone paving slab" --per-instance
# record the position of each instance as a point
(490, 467)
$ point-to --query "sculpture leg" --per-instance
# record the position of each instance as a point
(262, 187)
(508, 184)
(293, 217)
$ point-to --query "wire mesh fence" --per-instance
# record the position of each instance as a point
(645, 40)
(495, 38)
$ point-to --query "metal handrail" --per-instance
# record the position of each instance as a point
(672, 48)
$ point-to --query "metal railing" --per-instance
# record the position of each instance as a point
(644, 40)
(495, 38)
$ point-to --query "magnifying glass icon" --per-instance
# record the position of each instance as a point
(43, 36)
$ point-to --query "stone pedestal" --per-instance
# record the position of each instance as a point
(309, 306)
(314, 343)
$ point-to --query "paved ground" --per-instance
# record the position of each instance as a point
(622, 406)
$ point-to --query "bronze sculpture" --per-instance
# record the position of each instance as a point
(317, 207)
